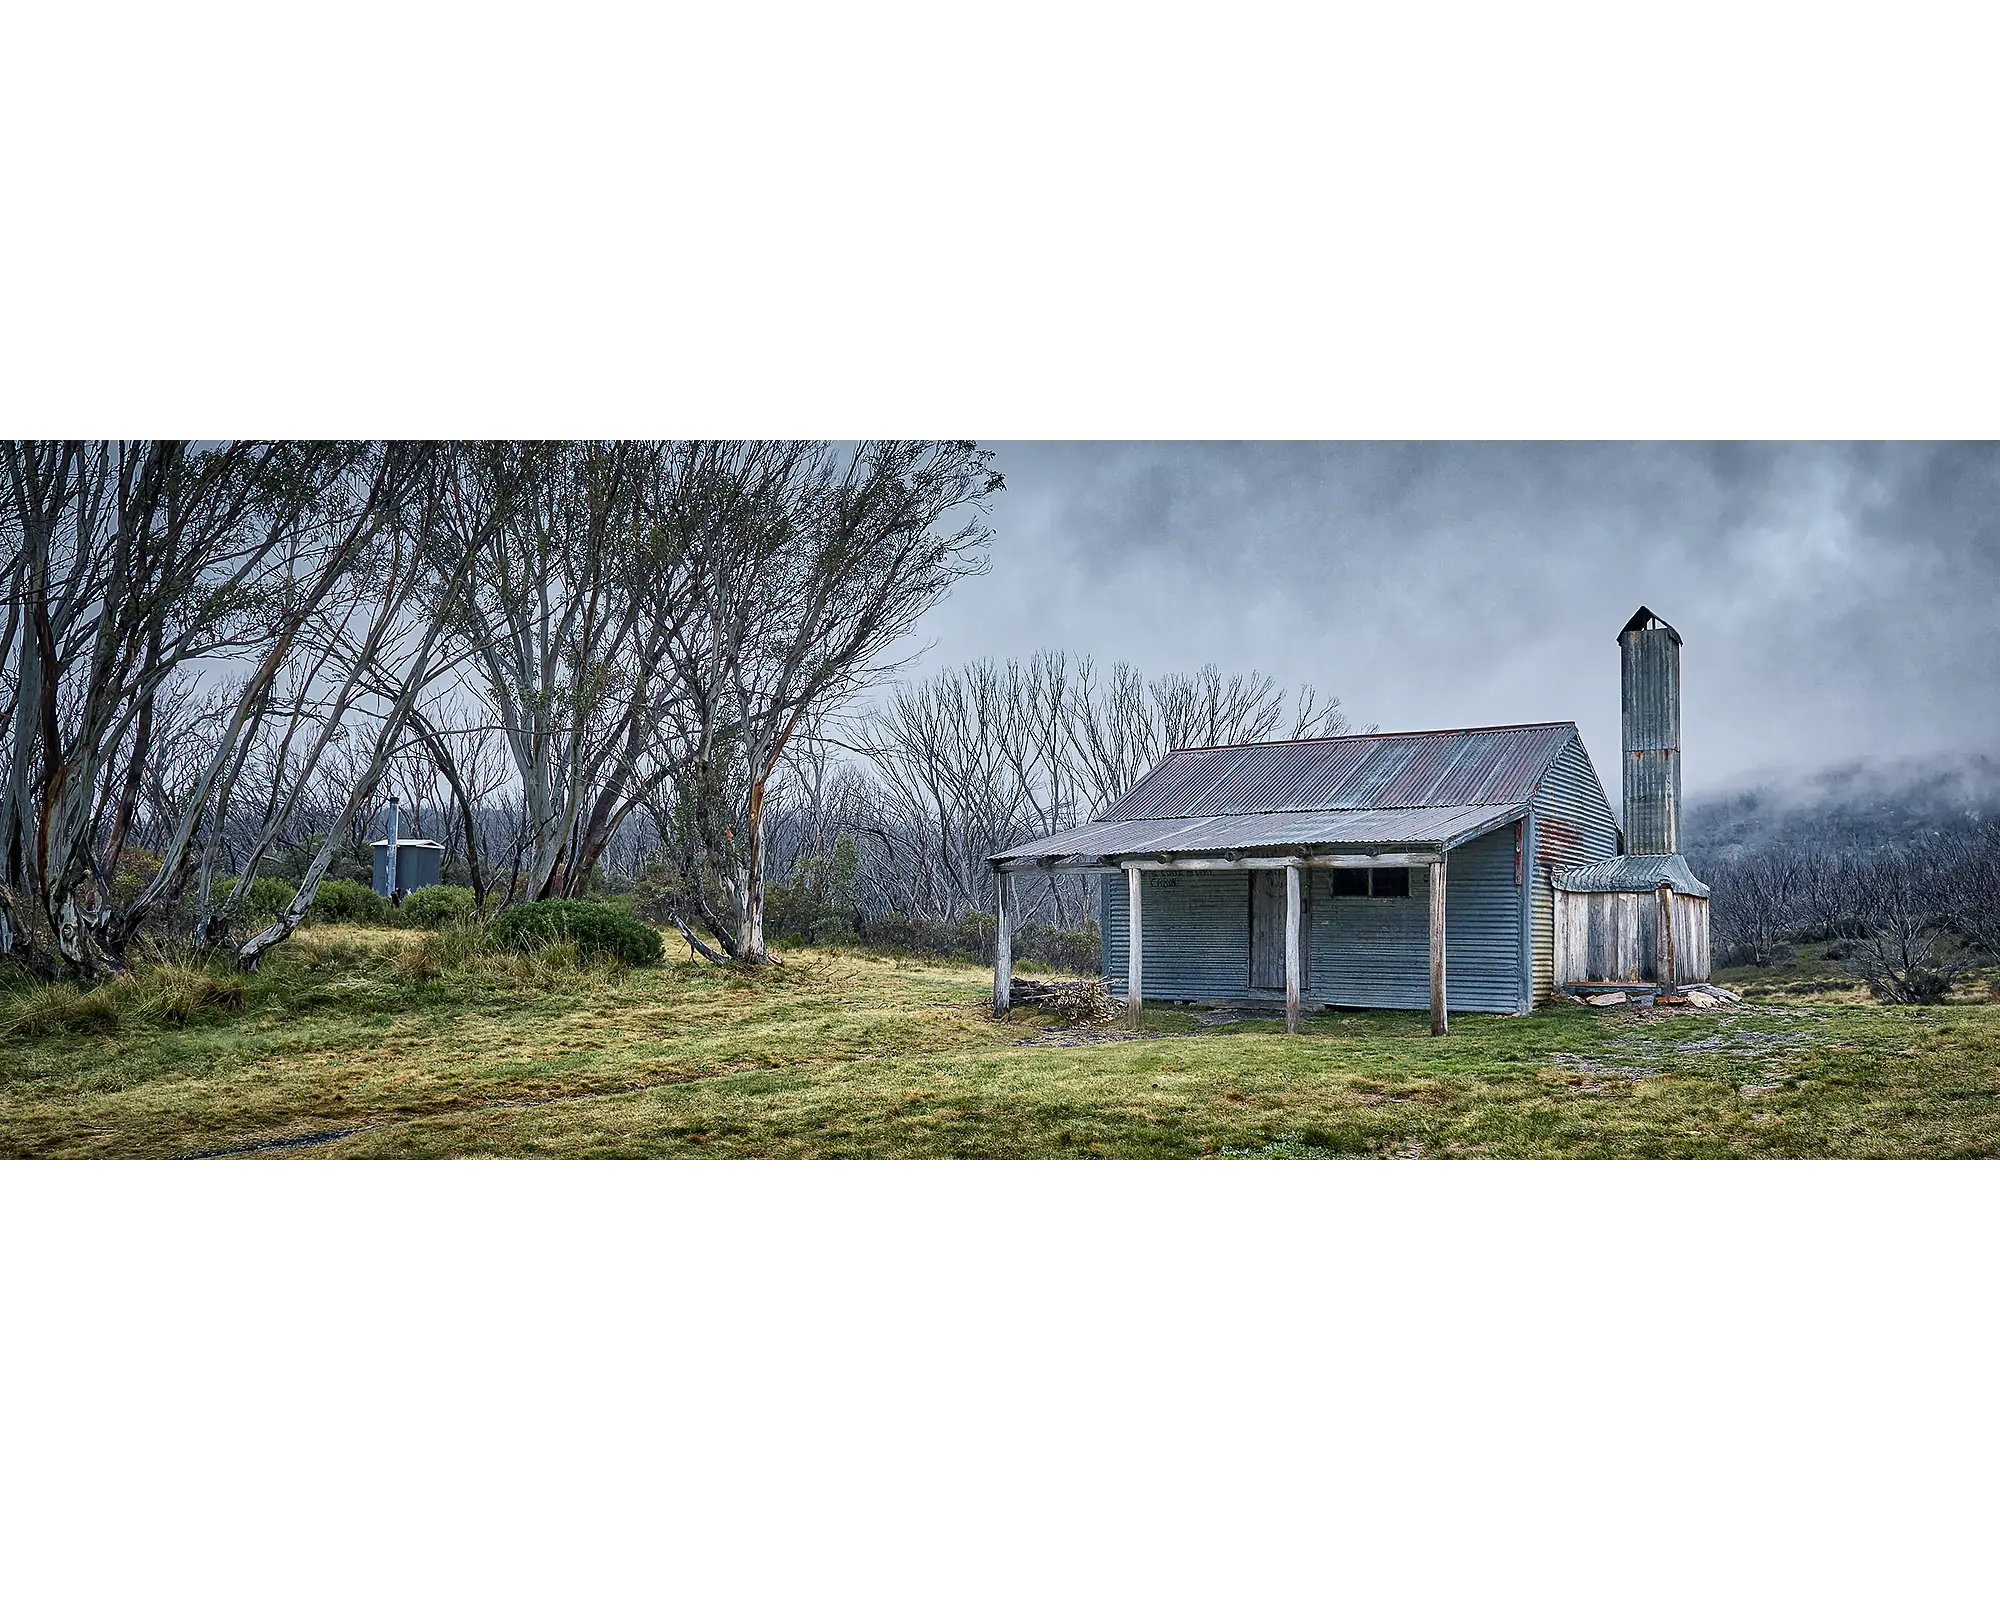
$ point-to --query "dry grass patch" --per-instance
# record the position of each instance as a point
(436, 1045)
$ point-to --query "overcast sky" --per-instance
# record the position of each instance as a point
(1838, 602)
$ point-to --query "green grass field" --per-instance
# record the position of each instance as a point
(385, 1042)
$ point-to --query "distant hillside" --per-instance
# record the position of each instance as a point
(1859, 806)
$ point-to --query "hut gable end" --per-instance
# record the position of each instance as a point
(1572, 825)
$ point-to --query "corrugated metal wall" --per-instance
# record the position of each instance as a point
(1197, 934)
(1360, 951)
(1482, 927)
(1372, 952)
(1378, 952)
(1574, 826)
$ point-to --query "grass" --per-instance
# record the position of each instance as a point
(1815, 972)
(437, 1045)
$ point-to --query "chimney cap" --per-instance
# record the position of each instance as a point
(1642, 617)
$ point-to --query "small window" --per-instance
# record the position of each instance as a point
(1391, 883)
(1350, 880)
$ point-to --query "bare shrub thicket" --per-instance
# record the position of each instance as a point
(949, 768)
(1909, 917)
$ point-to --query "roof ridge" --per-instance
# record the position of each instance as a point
(1343, 738)
(1303, 811)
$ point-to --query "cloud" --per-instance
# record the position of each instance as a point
(1838, 601)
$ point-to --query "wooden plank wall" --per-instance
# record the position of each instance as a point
(1609, 938)
(1572, 938)
(1621, 935)
(1691, 937)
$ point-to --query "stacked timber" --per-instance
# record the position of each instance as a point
(1068, 999)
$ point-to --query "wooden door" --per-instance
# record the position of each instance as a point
(1267, 932)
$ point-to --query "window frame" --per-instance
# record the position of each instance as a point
(1367, 890)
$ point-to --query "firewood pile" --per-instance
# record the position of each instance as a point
(1073, 1000)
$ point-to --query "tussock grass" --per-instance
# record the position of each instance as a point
(443, 1044)
(163, 992)
(172, 994)
(63, 1007)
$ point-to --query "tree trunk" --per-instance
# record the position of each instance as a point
(750, 896)
(142, 743)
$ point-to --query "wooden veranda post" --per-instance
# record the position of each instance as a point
(1134, 989)
(1440, 1021)
(1003, 945)
(1292, 962)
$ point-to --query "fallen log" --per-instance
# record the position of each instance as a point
(695, 944)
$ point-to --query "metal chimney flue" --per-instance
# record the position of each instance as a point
(395, 839)
(1650, 659)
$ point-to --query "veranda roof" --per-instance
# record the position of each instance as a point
(1107, 844)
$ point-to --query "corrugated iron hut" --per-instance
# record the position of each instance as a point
(1317, 872)
(1640, 920)
(1404, 870)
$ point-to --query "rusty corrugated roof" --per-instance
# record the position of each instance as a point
(1368, 771)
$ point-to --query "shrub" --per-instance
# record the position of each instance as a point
(136, 869)
(817, 903)
(966, 942)
(624, 904)
(661, 892)
(1904, 976)
(978, 933)
(440, 905)
(971, 938)
(594, 929)
(1064, 949)
(338, 900)
(268, 896)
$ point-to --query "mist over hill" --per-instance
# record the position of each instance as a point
(1858, 805)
